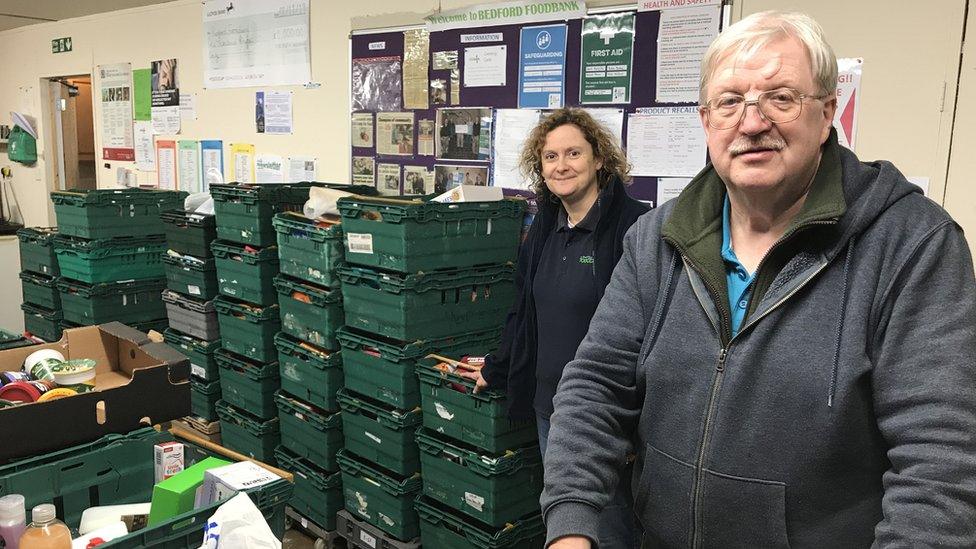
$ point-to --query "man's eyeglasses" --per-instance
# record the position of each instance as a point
(777, 106)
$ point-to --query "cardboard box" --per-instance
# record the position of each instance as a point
(181, 493)
(470, 193)
(168, 460)
(223, 482)
(137, 383)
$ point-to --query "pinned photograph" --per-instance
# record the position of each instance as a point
(462, 133)
(363, 170)
(425, 137)
(447, 177)
(438, 92)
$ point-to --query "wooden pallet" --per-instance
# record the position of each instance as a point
(325, 539)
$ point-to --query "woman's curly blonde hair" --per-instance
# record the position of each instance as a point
(605, 149)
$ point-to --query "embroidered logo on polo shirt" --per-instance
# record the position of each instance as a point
(586, 259)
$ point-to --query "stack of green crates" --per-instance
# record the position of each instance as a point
(310, 363)
(192, 274)
(248, 311)
(110, 248)
(419, 278)
(39, 278)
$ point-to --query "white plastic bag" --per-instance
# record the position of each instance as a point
(239, 524)
(322, 201)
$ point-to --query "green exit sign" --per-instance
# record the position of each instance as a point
(61, 45)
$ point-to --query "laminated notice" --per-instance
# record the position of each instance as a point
(360, 243)
(474, 500)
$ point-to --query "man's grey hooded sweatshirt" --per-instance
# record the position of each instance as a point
(843, 414)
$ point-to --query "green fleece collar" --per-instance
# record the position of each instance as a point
(695, 223)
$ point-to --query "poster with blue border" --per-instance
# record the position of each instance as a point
(542, 67)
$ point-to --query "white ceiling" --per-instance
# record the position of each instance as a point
(18, 13)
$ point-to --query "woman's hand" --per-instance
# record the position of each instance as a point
(479, 381)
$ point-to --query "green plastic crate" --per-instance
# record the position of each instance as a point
(309, 373)
(247, 434)
(244, 274)
(10, 340)
(308, 312)
(37, 250)
(383, 369)
(107, 213)
(410, 235)
(201, 353)
(247, 384)
(186, 531)
(40, 290)
(441, 528)
(477, 419)
(41, 322)
(307, 251)
(244, 212)
(383, 435)
(189, 233)
(114, 469)
(203, 398)
(311, 433)
(427, 305)
(191, 276)
(379, 498)
(493, 488)
(110, 259)
(318, 493)
(126, 302)
(248, 329)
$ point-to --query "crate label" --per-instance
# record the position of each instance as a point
(443, 412)
(489, 225)
(44, 268)
(375, 438)
(194, 290)
(198, 371)
(304, 522)
(125, 300)
(387, 520)
(360, 243)
(367, 539)
(474, 500)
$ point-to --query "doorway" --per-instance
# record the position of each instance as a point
(72, 126)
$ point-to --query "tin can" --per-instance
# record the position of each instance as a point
(13, 377)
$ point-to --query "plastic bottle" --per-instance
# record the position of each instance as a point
(45, 530)
(13, 520)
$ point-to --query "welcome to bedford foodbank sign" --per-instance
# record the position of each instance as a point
(506, 13)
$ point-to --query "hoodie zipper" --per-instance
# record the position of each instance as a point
(698, 485)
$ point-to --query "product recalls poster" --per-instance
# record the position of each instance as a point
(606, 63)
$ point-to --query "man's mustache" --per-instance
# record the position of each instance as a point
(750, 143)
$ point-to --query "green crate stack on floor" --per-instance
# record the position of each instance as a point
(39, 277)
(250, 318)
(191, 282)
(109, 249)
(310, 364)
(419, 278)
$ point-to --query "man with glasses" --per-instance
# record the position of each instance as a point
(790, 344)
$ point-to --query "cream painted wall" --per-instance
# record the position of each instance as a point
(911, 60)
(960, 192)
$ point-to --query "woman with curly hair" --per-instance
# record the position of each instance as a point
(578, 173)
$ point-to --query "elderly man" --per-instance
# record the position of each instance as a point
(790, 345)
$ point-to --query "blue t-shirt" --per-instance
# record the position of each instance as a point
(738, 279)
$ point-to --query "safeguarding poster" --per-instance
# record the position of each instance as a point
(165, 97)
(607, 59)
(115, 82)
(542, 67)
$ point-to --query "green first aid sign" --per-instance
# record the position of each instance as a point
(606, 65)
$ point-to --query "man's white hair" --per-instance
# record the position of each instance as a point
(751, 34)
